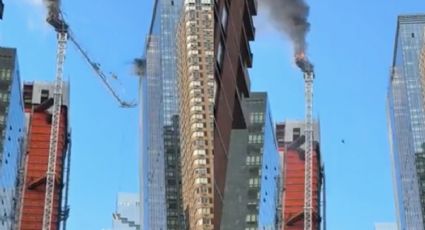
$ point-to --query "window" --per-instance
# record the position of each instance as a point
(255, 139)
(256, 117)
(201, 180)
(253, 182)
(253, 160)
(200, 162)
(199, 152)
(296, 133)
(251, 218)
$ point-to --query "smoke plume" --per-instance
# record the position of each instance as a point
(139, 66)
(53, 7)
(291, 17)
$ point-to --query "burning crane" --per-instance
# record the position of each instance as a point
(308, 70)
(291, 18)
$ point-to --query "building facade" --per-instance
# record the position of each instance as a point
(420, 168)
(1, 9)
(12, 135)
(127, 214)
(385, 226)
(406, 119)
(251, 197)
(160, 181)
(233, 32)
(291, 141)
(196, 90)
(38, 102)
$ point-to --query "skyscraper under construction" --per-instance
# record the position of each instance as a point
(291, 141)
(38, 101)
(196, 90)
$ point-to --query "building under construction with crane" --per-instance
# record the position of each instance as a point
(43, 204)
(291, 140)
(38, 104)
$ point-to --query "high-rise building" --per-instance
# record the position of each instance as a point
(233, 31)
(385, 226)
(420, 156)
(127, 214)
(160, 148)
(251, 197)
(420, 168)
(12, 133)
(38, 102)
(406, 119)
(291, 141)
(196, 89)
(1, 9)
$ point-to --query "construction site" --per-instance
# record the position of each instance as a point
(45, 169)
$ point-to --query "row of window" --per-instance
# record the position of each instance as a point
(256, 117)
(253, 160)
(5, 74)
(255, 139)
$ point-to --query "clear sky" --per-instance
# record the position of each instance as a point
(351, 44)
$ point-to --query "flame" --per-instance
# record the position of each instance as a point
(300, 56)
(303, 63)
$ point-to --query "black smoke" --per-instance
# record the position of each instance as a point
(291, 18)
(53, 7)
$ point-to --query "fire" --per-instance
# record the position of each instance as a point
(303, 63)
(300, 56)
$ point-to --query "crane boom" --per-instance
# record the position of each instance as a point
(54, 132)
(96, 67)
(308, 183)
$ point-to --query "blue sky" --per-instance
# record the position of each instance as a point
(351, 44)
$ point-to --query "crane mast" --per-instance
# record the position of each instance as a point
(308, 183)
(308, 70)
(62, 37)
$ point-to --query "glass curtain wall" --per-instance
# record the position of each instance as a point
(407, 119)
(160, 149)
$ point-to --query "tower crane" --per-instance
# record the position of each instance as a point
(56, 20)
(308, 71)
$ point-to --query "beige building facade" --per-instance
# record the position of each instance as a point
(196, 91)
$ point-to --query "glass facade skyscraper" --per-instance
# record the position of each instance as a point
(251, 198)
(127, 215)
(406, 116)
(11, 136)
(161, 200)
